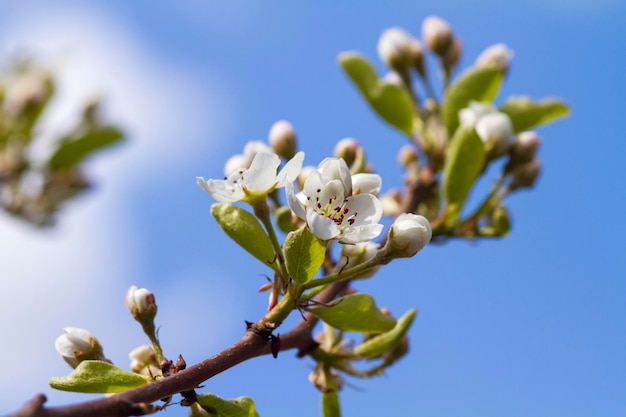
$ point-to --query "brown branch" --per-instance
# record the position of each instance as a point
(133, 402)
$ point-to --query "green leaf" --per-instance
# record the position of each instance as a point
(354, 313)
(304, 255)
(376, 346)
(475, 84)
(220, 407)
(330, 404)
(526, 114)
(390, 101)
(242, 227)
(97, 377)
(72, 150)
(465, 159)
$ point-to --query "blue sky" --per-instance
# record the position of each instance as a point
(533, 324)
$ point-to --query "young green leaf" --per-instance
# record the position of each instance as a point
(72, 150)
(98, 377)
(390, 101)
(526, 114)
(465, 158)
(354, 313)
(220, 407)
(475, 84)
(242, 227)
(376, 346)
(304, 255)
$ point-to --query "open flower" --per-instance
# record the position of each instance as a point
(330, 209)
(254, 182)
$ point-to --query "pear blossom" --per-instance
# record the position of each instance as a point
(331, 210)
(260, 179)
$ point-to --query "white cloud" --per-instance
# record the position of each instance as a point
(70, 276)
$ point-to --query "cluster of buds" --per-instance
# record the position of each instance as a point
(493, 127)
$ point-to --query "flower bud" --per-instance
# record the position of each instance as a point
(144, 361)
(78, 345)
(495, 130)
(141, 304)
(243, 161)
(524, 148)
(417, 56)
(525, 175)
(282, 137)
(496, 56)
(394, 49)
(452, 55)
(471, 114)
(28, 89)
(407, 157)
(366, 183)
(348, 149)
(391, 203)
(437, 35)
(359, 253)
(304, 174)
(408, 234)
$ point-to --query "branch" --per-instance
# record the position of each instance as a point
(133, 402)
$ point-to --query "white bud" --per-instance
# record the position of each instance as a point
(470, 115)
(394, 49)
(347, 149)
(496, 56)
(524, 147)
(144, 361)
(495, 130)
(408, 234)
(77, 345)
(282, 137)
(141, 304)
(366, 183)
(437, 34)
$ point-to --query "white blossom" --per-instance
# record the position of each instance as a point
(330, 208)
(256, 181)
(77, 345)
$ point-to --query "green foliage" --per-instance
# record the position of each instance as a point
(465, 159)
(242, 227)
(526, 113)
(355, 313)
(376, 346)
(390, 101)
(475, 84)
(220, 407)
(98, 377)
(73, 150)
(304, 255)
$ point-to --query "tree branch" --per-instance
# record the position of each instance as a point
(133, 402)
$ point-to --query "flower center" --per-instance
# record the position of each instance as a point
(331, 208)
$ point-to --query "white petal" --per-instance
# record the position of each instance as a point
(294, 203)
(236, 163)
(362, 233)
(366, 184)
(291, 170)
(221, 190)
(314, 184)
(321, 226)
(261, 176)
(336, 169)
(333, 191)
(368, 207)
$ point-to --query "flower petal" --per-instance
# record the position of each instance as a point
(294, 202)
(221, 190)
(291, 170)
(321, 226)
(366, 184)
(261, 176)
(368, 207)
(336, 169)
(363, 233)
